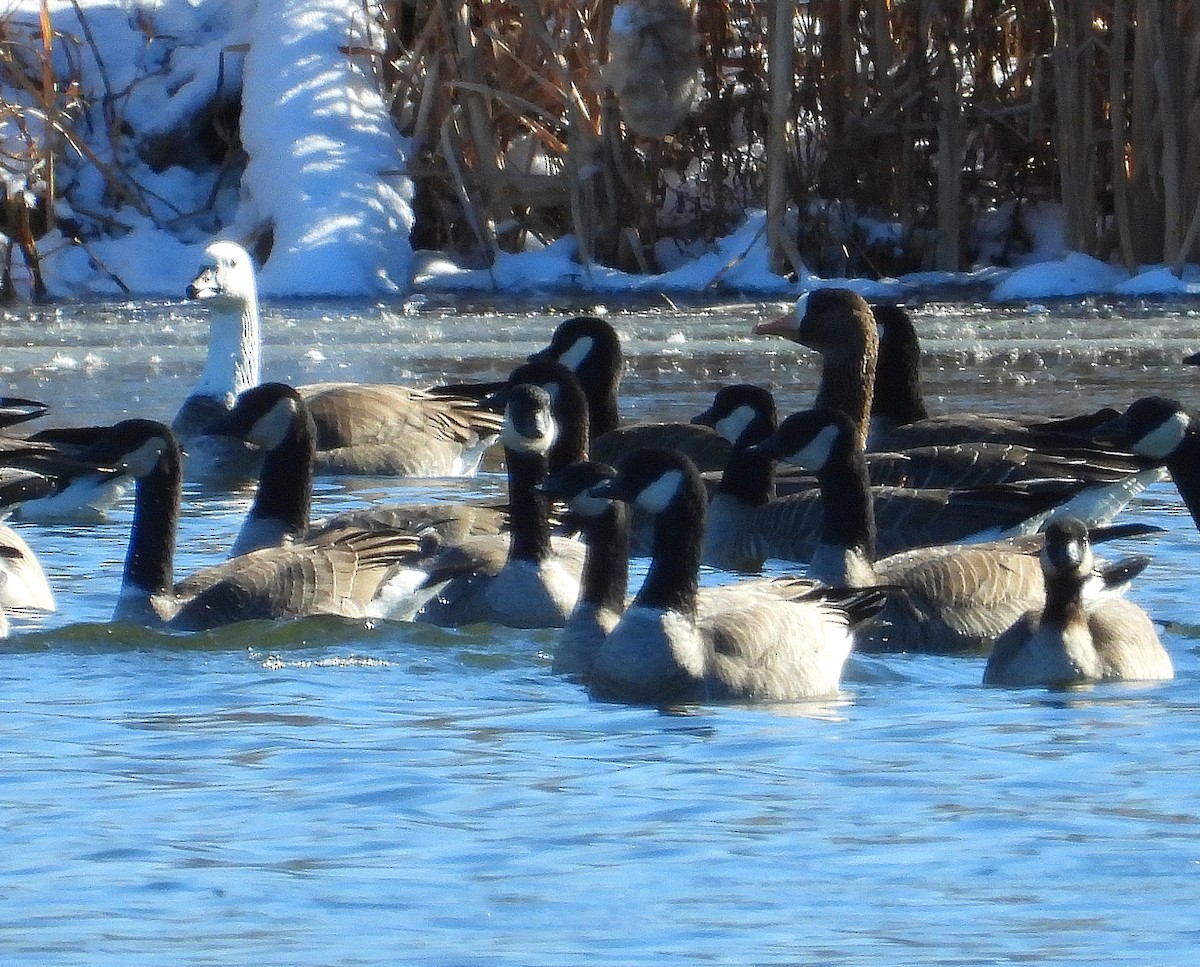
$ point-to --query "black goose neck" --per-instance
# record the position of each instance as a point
(528, 509)
(606, 565)
(673, 579)
(285, 481)
(749, 477)
(898, 398)
(600, 383)
(847, 502)
(150, 560)
(1064, 598)
(571, 417)
(1184, 465)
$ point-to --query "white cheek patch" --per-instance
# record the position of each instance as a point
(577, 352)
(732, 427)
(1163, 440)
(656, 497)
(512, 438)
(145, 458)
(269, 430)
(816, 453)
(801, 306)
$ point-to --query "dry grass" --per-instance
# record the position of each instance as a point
(915, 114)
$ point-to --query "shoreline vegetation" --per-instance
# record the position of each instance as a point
(881, 138)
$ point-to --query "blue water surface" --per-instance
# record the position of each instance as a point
(330, 792)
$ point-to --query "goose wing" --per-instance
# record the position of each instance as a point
(337, 574)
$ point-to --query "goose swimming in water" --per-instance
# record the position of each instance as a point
(361, 428)
(340, 574)
(951, 598)
(773, 641)
(1075, 637)
(840, 325)
(747, 525)
(877, 381)
(522, 579)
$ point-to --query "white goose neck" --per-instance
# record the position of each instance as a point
(232, 365)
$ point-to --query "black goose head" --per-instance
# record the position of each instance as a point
(1067, 550)
(1153, 427)
(582, 343)
(743, 414)
(137, 447)
(574, 485)
(653, 480)
(264, 416)
(569, 406)
(529, 425)
(811, 439)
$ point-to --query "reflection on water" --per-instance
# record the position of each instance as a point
(330, 792)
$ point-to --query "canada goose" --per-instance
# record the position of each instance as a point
(340, 574)
(442, 524)
(955, 598)
(1164, 431)
(521, 579)
(588, 346)
(274, 418)
(70, 491)
(604, 524)
(787, 643)
(878, 383)
(1075, 638)
(747, 525)
(840, 325)
(362, 428)
(897, 399)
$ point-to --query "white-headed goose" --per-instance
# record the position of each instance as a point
(787, 644)
(524, 578)
(955, 597)
(374, 428)
(340, 574)
(1077, 636)
(748, 525)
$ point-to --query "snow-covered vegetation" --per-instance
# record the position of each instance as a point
(538, 145)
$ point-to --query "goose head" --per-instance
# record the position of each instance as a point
(654, 480)
(226, 280)
(812, 439)
(136, 447)
(590, 348)
(529, 426)
(1067, 551)
(1153, 427)
(265, 416)
(743, 414)
(574, 486)
(568, 406)
(582, 342)
(827, 320)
